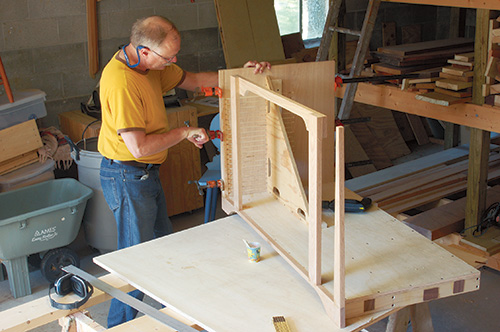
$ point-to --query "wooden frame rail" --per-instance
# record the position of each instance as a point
(471, 115)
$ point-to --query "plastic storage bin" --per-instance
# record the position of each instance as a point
(37, 218)
(27, 105)
(27, 175)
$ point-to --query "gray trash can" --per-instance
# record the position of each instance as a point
(98, 221)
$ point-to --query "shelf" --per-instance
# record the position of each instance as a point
(483, 117)
(481, 4)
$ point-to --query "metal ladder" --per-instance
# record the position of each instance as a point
(359, 56)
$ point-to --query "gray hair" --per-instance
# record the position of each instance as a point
(151, 31)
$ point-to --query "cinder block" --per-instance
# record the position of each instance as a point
(120, 23)
(55, 8)
(30, 33)
(185, 17)
(77, 83)
(49, 59)
(200, 40)
(72, 29)
(13, 10)
(207, 17)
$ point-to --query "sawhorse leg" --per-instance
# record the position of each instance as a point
(419, 315)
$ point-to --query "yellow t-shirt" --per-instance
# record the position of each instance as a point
(133, 100)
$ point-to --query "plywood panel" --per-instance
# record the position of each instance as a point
(310, 84)
(249, 31)
(182, 165)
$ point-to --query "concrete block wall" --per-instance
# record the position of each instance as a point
(43, 43)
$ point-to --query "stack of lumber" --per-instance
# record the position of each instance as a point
(438, 218)
(455, 82)
(19, 145)
(491, 86)
(434, 177)
(409, 58)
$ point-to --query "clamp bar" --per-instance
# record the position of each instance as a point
(131, 301)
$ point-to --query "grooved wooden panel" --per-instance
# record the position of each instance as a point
(182, 165)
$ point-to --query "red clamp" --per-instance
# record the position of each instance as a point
(213, 134)
(212, 91)
(338, 82)
(338, 123)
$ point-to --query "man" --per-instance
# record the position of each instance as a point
(135, 138)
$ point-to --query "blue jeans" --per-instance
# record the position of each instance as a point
(136, 197)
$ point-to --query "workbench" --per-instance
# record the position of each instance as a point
(203, 274)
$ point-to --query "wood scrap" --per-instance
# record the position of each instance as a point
(448, 218)
(402, 194)
(492, 76)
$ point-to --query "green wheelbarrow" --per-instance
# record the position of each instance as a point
(42, 218)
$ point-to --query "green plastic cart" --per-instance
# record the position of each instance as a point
(41, 218)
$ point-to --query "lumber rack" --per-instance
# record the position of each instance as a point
(481, 118)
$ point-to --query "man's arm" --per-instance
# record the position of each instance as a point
(142, 145)
(211, 79)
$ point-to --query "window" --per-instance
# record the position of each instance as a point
(304, 16)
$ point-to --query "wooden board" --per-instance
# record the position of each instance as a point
(458, 71)
(358, 162)
(452, 84)
(203, 273)
(17, 162)
(456, 78)
(310, 84)
(442, 99)
(482, 117)
(384, 128)
(74, 123)
(182, 165)
(19, 139)
(411, 167)
(394, 70)
(469, 57)
(249, 31)
(194, 272)
(458, 94)
(370, 143)
(427, 46)
(446, 219)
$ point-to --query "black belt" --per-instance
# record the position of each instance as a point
(133, 163)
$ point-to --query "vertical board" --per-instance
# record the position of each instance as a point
(249, 31)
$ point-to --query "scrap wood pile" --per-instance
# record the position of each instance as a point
(427, 56)
(445, 68)
(421, 193)
(426, 185)
(454, 84)
(491, 87)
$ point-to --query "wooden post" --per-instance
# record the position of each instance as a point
(235, 95)
(480, 140)
(92, 37)
(339, 253)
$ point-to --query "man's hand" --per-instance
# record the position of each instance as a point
(197, 136)
(259, 66)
